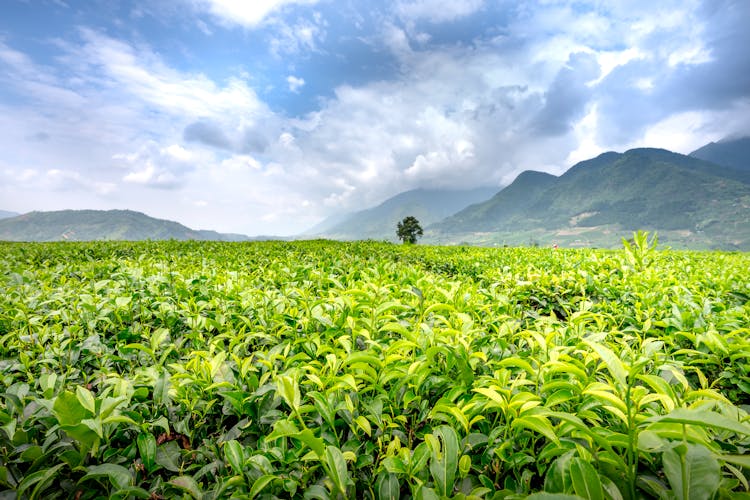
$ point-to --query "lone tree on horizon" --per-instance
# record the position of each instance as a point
(408, 230)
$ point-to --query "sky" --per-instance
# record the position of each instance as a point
(265, 116)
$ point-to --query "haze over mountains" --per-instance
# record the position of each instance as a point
(379, 222)
(701, 200)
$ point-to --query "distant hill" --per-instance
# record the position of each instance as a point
(85, 225)
(427, 205)
(690, 202)
(4, 214)
(327, 224)
(734, 153)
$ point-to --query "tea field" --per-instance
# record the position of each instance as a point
(323, 370)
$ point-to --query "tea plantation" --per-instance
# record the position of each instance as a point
(323, 370)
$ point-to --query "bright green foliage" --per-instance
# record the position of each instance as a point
(368, 370)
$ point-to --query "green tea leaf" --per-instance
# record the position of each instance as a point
(444, 458)
(585, 479)
(387, 487)
(692, 471)
(147, 448)
(336, 467)
(611, 361)
(260, 484)
(537, 423)
(69, 410)
(118, 476)
(234, 455)
(703, 418)
(188, 485)
(42, 479)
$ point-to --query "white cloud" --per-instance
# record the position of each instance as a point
(436, 10)
(144, 76)
(246, 13)
(241, 162)
(295, 83)
(301, 36)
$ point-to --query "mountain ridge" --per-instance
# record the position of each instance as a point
(88, 225)
(732, 153)
(693, 200)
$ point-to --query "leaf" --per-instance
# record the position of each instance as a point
(741, 460)
(40, 478)
(464, 466)
(611, 361)
(234, 455)
(147, 449)
(425, 493)
(364, 424)
(188, 485)
(585, 479)
(552, 496)
(260, 484)
(692, 471)
(336, 467)
(161, 389)
(288, 388)
(557, 479)
(131, 491)
(537, 423)
(445, 453)
(95, 424)
(387, 487)
(168, 456)
(118, 476)
(287, 428)
(69, 410)
(703, 418)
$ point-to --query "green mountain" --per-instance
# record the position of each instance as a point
(690, 202)
(734, 153)
(427, 205)
(4, 214)
(85, 225)
(503, 207)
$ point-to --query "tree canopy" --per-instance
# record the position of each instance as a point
(409, 229)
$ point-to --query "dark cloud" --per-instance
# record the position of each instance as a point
(211, 134)
(628, 108)
(208, 133)
(253, 142)
(566, 99)
(38, 137)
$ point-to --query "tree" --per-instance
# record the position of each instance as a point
(409, 230)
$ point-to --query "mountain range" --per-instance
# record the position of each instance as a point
(701, 200)
(85, 225)
(690, 202)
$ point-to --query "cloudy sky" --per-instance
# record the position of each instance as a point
(264, 116)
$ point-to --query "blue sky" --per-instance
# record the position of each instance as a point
(265, 116)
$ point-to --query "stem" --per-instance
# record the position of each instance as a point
(632, 456)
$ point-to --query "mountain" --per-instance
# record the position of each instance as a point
(427, 205)
(733, 153)
(689, 201)
(512, 201)
(85, 225)
(4, 214)
(327, 224)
